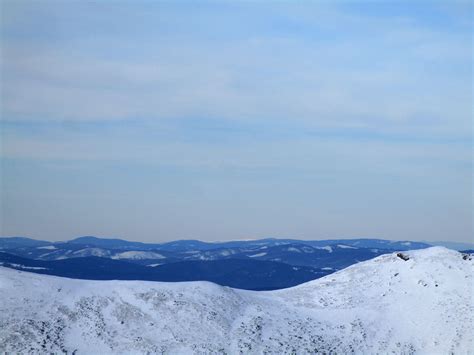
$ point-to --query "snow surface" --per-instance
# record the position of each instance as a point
(138, 255)
(343, 246)
(24, 267)
(384, 305)
(257, 255)
(91, 252)
(328, 248)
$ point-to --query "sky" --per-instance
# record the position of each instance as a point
(156, 121)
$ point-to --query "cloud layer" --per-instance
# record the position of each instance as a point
(358, 104)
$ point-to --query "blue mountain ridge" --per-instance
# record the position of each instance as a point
(191, 245)
(243, 274)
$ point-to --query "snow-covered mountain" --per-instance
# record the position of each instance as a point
(387, 304)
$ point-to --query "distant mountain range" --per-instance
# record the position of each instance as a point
(187, 245)
(193, 245)
(262, 264)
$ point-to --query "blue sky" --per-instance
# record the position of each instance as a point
(223, 120)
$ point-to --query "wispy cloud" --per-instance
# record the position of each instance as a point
(388, 71)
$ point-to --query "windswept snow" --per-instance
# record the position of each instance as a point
(385, 305)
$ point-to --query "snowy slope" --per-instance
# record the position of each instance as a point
(424, 305)
(138, 255)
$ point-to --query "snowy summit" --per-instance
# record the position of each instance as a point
(418, 301)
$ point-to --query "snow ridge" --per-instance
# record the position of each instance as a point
(387, 304)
